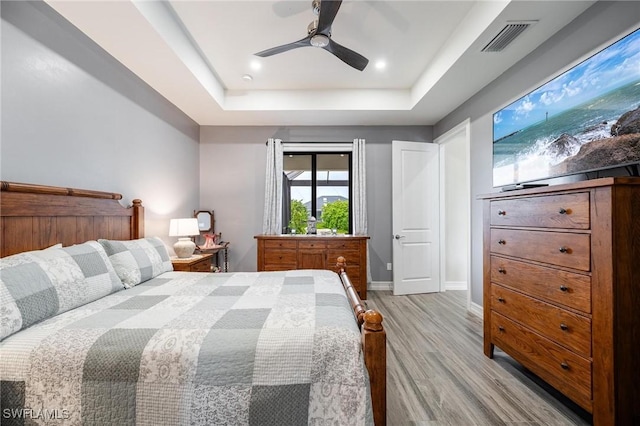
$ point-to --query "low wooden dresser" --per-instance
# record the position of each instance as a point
(282, 252)
(195, 263)
(562, 289)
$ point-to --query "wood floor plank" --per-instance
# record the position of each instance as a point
(438, 375)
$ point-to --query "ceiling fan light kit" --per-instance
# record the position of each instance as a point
(319, 40)
(319, 35)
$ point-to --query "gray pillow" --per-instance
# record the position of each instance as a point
(40, 284)
(137, 261)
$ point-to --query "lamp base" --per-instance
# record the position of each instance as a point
(184, 248)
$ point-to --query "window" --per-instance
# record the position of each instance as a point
(317, 184)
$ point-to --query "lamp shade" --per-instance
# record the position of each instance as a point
(183, 227)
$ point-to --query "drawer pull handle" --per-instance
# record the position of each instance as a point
(564, 327)
(564, 366)
(501, 213)
(500, 328)
(564, 288)
(501, 299)
(563, 250)
(563, 211)
(502, 270)
(502, 242)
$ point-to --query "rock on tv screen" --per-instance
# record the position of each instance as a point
(584, 120)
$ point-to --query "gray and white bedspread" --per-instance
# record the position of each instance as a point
(274, 348)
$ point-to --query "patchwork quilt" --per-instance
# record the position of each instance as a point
(262, 348)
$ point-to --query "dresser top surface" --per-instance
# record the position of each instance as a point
(583, 185)
(304, 236)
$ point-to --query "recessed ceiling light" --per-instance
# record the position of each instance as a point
(247, 77)
(255, 65)
(380, 65)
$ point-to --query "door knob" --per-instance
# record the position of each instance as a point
(398, 236)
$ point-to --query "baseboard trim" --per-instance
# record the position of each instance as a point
(380, 285)
(455, 285)
(476, 309)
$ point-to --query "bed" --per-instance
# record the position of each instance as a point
(147, 345)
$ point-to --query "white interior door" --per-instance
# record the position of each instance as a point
(416, 224)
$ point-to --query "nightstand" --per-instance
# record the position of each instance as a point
(195, 263)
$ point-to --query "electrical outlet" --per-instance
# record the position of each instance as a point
(389, 266)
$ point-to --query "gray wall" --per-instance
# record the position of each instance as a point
(232, 169)
(73, 116)
(600, 25)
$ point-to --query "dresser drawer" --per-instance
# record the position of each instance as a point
(564, 370)
(203, 266)
(280, 244)
(310, 245)
(570, 330)
(280, 259)
(553, 285)
(555, 211)
(352, 257)
(341, 244)
(196, 263)
(557, 248)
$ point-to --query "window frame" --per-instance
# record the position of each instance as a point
(314, 178)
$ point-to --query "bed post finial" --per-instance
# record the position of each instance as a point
(137, 222)
(341, 264)
(372, 320)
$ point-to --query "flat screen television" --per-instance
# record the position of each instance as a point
(584, 120)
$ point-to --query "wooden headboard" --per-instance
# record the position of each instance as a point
(33, 217)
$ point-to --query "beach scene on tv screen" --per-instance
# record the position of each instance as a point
(586, 119)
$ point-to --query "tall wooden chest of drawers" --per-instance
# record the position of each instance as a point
(282, 252)
(562, 290)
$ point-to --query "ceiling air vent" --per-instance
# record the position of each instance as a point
(507, 35)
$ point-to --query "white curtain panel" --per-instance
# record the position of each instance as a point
(359, 188)
(272, 220)
(359, 198)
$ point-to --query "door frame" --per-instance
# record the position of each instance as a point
(463, 128)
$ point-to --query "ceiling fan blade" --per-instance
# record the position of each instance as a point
(328, 12)
(285, 47)
(347, 56)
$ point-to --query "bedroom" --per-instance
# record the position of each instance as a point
(106, 130)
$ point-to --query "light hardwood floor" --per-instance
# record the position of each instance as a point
(437, 373)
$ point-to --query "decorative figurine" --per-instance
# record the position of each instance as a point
(311, 225)
(209, 241)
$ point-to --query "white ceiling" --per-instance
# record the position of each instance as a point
(195, 53)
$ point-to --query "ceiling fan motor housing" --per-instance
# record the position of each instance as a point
(326, 14)
(312, 27)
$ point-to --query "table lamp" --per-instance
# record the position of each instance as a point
(184, 229)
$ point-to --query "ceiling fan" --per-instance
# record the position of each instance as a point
(319, 35)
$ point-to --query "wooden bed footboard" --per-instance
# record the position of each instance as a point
(374, 346)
